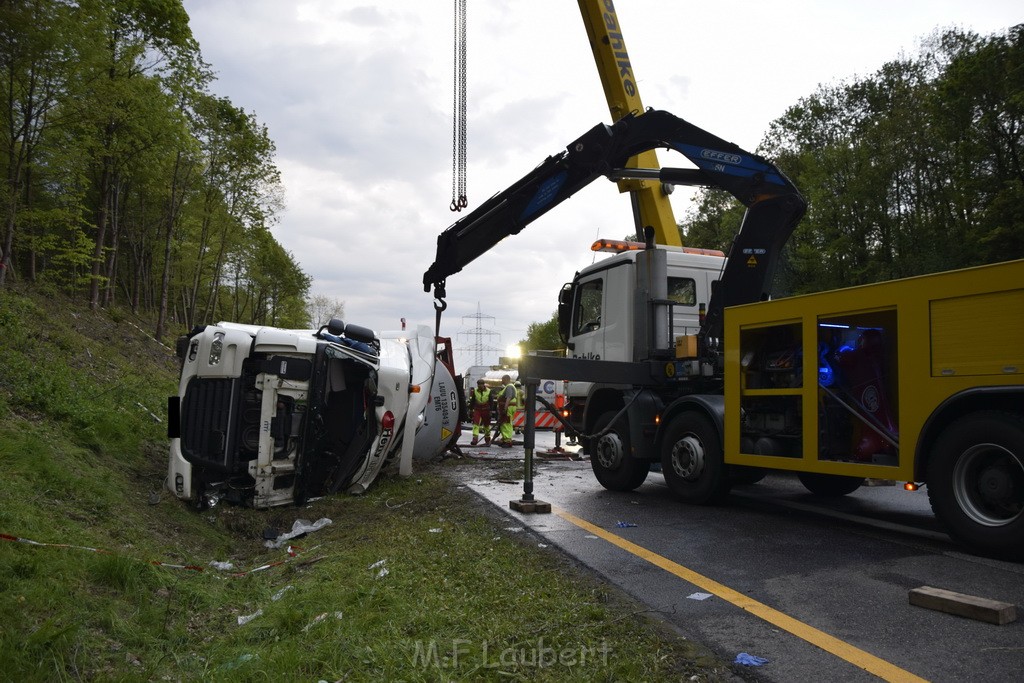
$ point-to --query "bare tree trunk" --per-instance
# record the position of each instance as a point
(102, 213)
(115, 239)
(173, 208)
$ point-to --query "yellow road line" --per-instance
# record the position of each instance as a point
(831, 644)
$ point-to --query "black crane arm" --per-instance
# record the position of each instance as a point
(774, 206)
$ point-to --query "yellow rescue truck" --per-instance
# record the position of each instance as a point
(919, 380)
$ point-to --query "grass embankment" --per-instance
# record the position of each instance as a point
(413, 581)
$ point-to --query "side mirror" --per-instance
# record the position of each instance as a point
(564, 311)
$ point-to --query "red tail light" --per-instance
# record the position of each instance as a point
(388, 421)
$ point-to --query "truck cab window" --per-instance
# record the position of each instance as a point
(682, 290)
(587, 316)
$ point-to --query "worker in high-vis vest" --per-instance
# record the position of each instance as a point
(520, 406)
(480, 405)
(506, 410)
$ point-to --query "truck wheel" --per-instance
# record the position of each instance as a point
(976, 482)
(829, 485)
(613, 466)
(692, 460)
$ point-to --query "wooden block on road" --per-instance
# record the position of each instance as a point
(529, 506)
(970, 606)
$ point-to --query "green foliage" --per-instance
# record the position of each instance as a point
(60, 375)
(543, 336)
(112, 145)
(912, 170)
(713, 222)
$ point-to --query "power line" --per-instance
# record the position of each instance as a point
(478, 334)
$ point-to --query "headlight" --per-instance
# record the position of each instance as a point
(216, 348)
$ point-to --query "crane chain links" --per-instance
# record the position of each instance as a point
(459, 201)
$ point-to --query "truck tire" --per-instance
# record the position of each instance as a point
(613, 466)
(692, 460)
(829, 485)
(976, 482)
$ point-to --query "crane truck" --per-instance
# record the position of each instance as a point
(678, 356)
(266, 416)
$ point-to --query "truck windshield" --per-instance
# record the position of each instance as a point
(342, 352)
(588, 307)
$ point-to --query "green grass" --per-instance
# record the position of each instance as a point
(84, 461)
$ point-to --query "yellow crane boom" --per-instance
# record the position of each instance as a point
(650, 202)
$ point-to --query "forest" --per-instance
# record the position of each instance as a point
(128, 182)
(127, 179)
(912, 170)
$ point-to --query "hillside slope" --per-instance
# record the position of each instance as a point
(106, 576)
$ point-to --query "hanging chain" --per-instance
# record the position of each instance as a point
(459, 200)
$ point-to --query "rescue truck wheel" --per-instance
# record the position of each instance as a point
(613, 466)
(692, 460)
(976, 482)
(829, 485)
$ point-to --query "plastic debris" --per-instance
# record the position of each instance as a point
(319, 618)
(749, 660)
(699, 596)
(300, 527)
(279, 594)
(243, 620)
(435, 531)
(624, 525)
(222, 566)
(382, 571)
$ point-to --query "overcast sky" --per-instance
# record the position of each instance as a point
(358, 99)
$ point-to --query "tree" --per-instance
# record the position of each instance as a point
(320, 308)
(36, 69)
(133, 42)
(912, 170)
(543, 337)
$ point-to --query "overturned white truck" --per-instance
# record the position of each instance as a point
(267, 416)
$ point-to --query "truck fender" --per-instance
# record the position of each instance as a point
(1005, 398)
(643, 407)
(712, 405)
(601, 398)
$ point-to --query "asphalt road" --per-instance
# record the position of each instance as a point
(818, 589)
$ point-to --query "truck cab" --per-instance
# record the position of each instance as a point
(598, 315)
(266, 416)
